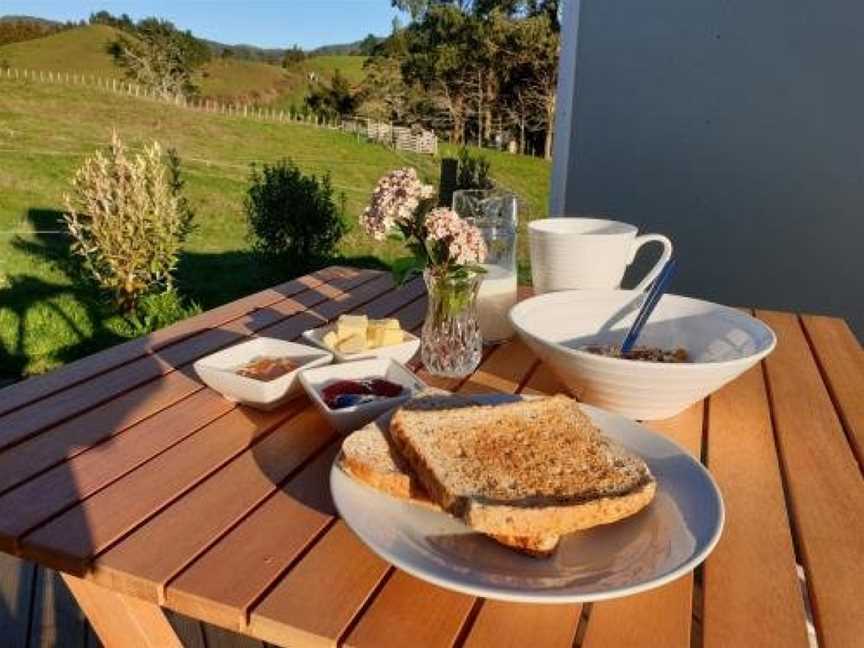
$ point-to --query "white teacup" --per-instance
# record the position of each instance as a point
(587, 253)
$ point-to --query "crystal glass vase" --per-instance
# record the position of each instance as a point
(451, 344)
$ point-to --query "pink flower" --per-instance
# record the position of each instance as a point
(395, 200)
(464, 241)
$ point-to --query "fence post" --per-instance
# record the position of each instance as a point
(449, 171)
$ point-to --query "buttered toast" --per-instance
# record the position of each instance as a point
(369, 456)
(536, 468)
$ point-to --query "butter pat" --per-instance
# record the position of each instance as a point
(384, 333)
(389, 336)
(349, 326)
(390, 324)
(353, 344)
(331, 340)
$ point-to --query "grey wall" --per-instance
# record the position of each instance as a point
(736, 128)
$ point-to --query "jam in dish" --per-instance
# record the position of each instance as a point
(347, 393)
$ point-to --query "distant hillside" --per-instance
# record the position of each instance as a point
(247, 52)
(30, 19)
(344, 48)
(16, 29)
(81, 50)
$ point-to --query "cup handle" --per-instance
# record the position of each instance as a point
(638, 242)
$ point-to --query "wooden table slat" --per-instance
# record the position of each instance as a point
(750, 576)
(70, 540)
(37, 500)
(411, 612)
(70, 438)
(144, 562)
(663, 616)
(339, 576)
(38, 387)
(270, 539)
(823, 482)
(31, 419)
(841, 359)
(509, 625)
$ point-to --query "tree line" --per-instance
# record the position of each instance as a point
(474, 71)
(478, 71)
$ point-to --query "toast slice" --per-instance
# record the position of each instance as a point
(535, 468)
(369, 457)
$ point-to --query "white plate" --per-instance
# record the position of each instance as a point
(402, 352)
(218, 371)
(660, 543)
(348, 419)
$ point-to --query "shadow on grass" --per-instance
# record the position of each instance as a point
(208, 279)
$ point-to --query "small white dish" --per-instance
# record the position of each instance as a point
(402, 352)
(667, 539)
(722, 343)
(218, 371)
(349, 419)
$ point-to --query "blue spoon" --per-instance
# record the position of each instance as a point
(658, 287)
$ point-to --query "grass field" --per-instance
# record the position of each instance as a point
(46, 318)
(82, 51)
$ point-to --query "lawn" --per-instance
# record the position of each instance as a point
(47, 318)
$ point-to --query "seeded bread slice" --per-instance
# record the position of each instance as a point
(369, 456)
(534, 468)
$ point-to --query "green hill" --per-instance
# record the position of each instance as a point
(82, 51)
(46, 130)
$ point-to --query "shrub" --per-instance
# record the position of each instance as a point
(155, 311)
(292, 216)
(128, 220)
(473, 171)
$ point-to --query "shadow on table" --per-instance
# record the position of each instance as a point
(43, 465)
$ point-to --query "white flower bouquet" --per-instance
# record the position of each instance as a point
(403, 208)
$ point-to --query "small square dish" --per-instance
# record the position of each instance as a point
(350, 418)
(401, 352)
(219, 371)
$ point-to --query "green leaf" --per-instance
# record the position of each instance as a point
(405, 268)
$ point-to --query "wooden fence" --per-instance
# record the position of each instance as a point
(398, 137)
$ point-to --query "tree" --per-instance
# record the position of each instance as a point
(334, 99)
(417, 8)
(368, 44)
(533, 49)
(160, 57)
(293, 56)
(440, 59)
(383, 93)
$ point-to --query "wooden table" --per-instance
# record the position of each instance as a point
(147, 490)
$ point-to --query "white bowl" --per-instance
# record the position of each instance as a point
(402, 352)
(348, 419)
(722, 343)
(218, 371)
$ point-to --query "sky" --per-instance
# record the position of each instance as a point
(265, 23)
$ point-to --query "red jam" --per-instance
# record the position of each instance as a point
(347, 393)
